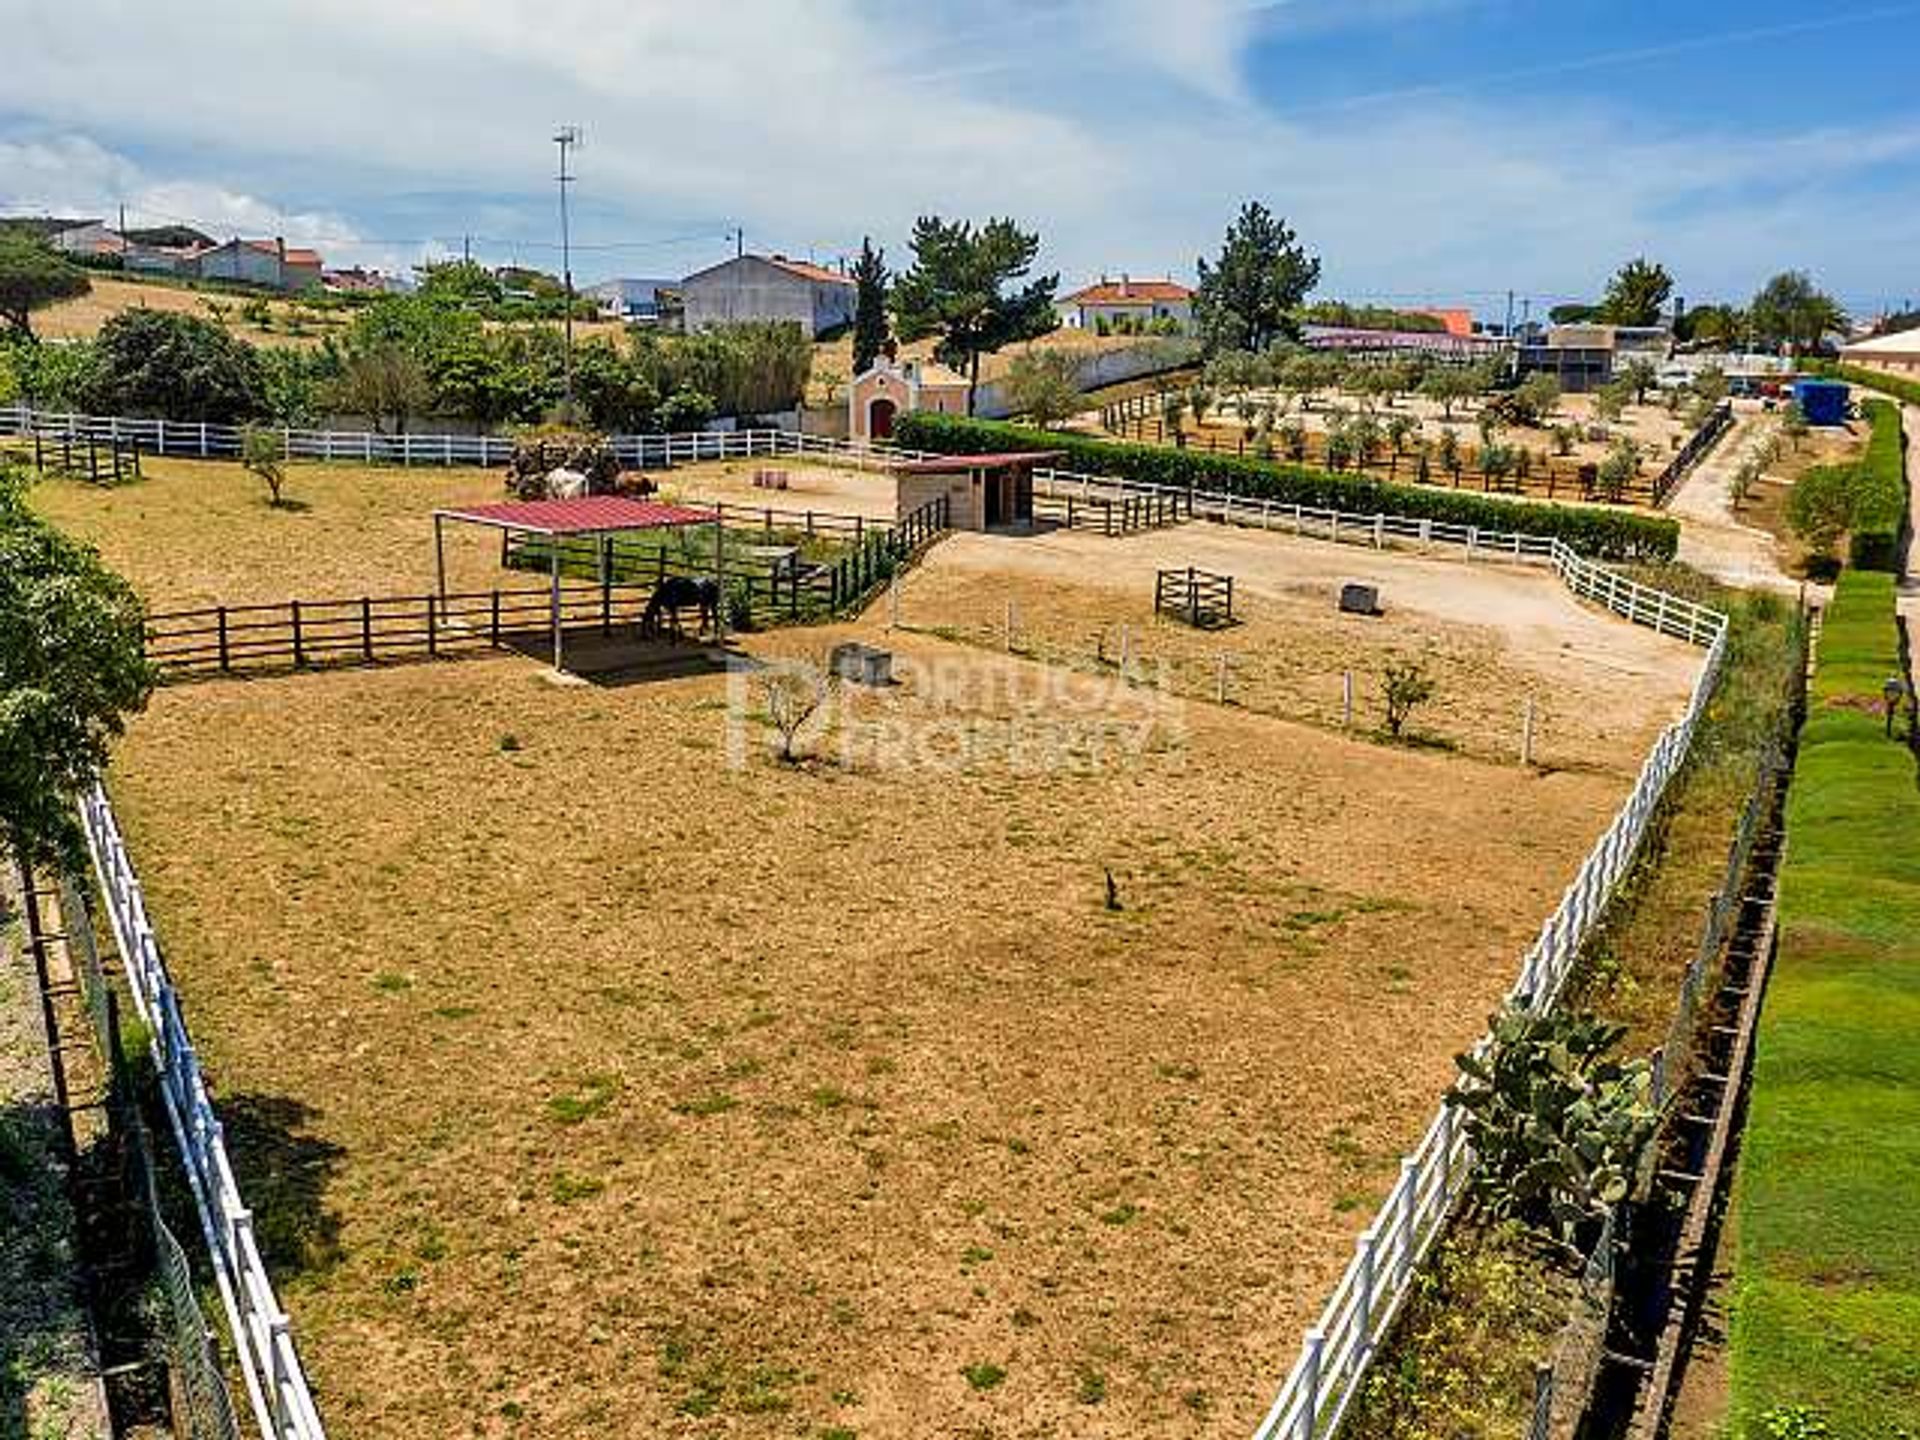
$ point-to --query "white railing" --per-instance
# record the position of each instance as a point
(276, 1384)
(198, 440)
(1340, 1345)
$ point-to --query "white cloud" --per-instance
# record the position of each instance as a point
(1127, 138)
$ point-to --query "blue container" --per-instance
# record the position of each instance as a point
(1823, 402)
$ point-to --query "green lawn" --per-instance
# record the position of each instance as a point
(1826, 1306)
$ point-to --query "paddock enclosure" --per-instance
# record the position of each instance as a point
(592, 1073)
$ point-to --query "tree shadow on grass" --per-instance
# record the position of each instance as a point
(283, 1169)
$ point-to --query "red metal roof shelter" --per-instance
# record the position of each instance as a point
(587, 515)
(596, 515)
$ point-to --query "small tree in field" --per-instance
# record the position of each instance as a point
(1400, 430)
(1610, 402)
(1820, 508)
(263, 455)
(791, 696)
(1405, 684)
(1619, 470)
(1042, 385)
(1793, 425)
(1173, 406)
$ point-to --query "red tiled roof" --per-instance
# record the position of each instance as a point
(806, 270)
(1459, 321)
(588, 515)
(1123, 292)
(294, 257)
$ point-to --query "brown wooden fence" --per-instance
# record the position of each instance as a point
(306, 634)
(1113, 514)
(302, 634)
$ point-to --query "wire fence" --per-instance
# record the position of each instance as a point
(1340, 1346)
(191, 1351)
(275, 1382)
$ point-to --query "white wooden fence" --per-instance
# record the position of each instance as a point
(1340, 1345)
(194, 439)
(276, 1385)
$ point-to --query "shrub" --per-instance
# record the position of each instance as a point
(262, 454)
(1605, 535)
(1880, 492)
(1560, 1130)
(1405, 684)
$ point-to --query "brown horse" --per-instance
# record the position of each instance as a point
(681, 592)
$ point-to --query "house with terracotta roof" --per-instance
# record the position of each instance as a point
(1128, 304)
(270, 264)
(767, 287)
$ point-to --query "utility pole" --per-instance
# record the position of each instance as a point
(567, 137)
(1513, 347)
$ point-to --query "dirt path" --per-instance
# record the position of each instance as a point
(1712, 537)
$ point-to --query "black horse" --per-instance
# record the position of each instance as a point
(681, 592)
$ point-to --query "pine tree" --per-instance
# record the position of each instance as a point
(1247, 301)
(869, 307)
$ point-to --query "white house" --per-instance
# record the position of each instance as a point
(1130, 304)
(1895, 354)
(767, 287)
(267, 263)
(87, 240)
(630, 299)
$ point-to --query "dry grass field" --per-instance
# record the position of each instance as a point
(1491, 637)
(196, 532)
(82, 318)
(586, 1085)
(290, 323)
(593, 1073)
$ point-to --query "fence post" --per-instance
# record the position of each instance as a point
(1526, 734)
(1365, 1248)
(433, 638)
(1409, 1236)
(1310, 1384)
(1220, 686)
(366, 628)
(1346, 700)
(299, 656)
(493, 628)
(203, 439)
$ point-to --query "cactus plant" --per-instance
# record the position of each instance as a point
(1561, 1131)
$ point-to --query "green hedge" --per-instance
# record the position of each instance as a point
(1825, 1307)
(1907, 390)
(1603, 534)
(1880, 492)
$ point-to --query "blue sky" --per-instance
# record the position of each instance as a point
(1429, 150)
